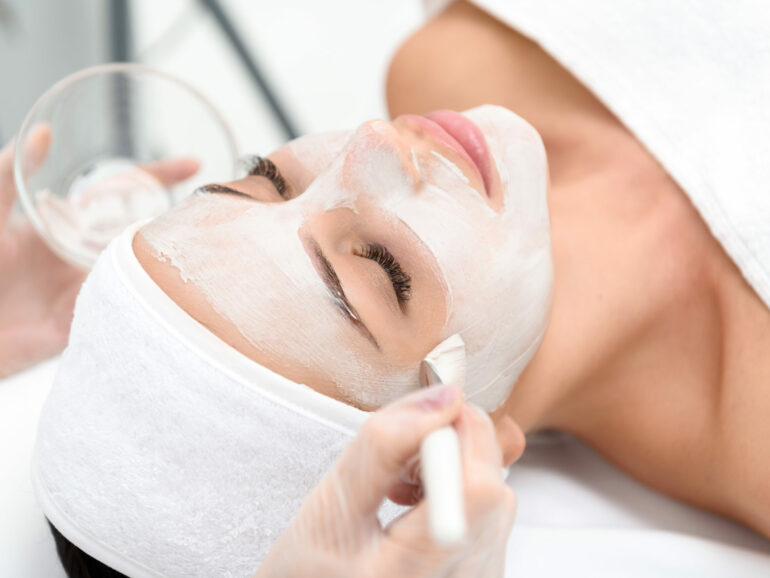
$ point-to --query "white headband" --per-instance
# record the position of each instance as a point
(163, 451)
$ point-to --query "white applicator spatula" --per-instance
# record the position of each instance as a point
(442, 478)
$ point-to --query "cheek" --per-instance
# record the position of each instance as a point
(443, 173)
(472, 247)
(453, 223)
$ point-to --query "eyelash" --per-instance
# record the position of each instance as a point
(402, 283)
(263, 167)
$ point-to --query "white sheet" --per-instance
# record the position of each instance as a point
(547, 552)
(561, 482)
(578, 515)
(26, 546)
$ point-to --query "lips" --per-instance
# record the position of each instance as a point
(468, 133)
(469, 137)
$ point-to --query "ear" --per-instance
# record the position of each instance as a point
(510, 437)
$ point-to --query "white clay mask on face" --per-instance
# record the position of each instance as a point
(496, 264)
(249, 261)
(251, 264)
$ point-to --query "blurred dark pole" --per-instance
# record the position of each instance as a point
(247, 60)
(7, 20)
(120, 31)
(120, 50)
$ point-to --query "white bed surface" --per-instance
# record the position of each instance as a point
(578, 515)
(561, 482)
(26, 546)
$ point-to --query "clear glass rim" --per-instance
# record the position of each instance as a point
(101, 69)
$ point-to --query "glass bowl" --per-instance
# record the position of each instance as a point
(123, 142)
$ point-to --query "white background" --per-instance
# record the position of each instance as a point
(326, 60)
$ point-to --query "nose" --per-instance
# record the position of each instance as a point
(378, 160)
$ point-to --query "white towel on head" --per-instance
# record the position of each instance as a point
(163, 451)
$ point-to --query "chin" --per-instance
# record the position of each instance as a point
(517, 151)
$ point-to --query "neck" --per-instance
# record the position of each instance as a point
(590, 159)
(547, 383)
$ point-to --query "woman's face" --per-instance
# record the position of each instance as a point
(345, 258)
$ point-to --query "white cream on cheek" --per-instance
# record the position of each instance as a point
(456, 171)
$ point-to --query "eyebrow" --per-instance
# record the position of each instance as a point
(332, 282)
(217, 188)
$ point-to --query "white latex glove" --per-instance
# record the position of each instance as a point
(336, 532)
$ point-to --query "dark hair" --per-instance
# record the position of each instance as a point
(78, 564)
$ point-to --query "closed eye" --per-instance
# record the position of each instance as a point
(401, 281)
(332, 281)
(256, 166)
(263, 167)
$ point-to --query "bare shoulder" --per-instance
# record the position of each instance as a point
(743, 419)
(465, 57)
(450, 62)
(418, 64)
(680, 394)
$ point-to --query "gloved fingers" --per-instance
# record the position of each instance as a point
(36, 147)
(478, 438)
(480, 433)
(408, 549)
(511, 438)
(172, 171)
(371, 464)
(489, 501)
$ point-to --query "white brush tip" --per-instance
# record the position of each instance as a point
(446, 362)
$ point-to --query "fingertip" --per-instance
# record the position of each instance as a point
(439, 397)
(188, 166)
(36, 145)
(173, 171)
(40, 133)
(38, 140)
(464, 417)
(473, 413)
(176, 170)
(478, 416)
(511, 439)
(477, 434)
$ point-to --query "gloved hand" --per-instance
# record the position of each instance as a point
(336, 532)
(37, 288)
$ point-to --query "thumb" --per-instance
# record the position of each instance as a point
(373, 461)
(7, 189)
(172, 171)
(35, 148)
